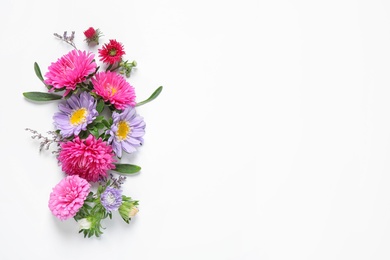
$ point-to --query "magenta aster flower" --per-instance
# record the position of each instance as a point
(113, 88)
(126, 132)
(92, 35)
(75, 114)
(69, 70)
(111, 52)
(111, 199)
(68, 196)
(90, 158)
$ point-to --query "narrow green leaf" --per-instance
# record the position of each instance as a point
(127, 168)
(41, 96)
(38, 71)
(100, 106)
(105, 122)
(153, 96)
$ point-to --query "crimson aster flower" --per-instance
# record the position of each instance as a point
(75, 114)
(111, 52)
(92, 35)
(126, 132)
(68, 196)
(69, 70)
(113, 88)
(90, 158)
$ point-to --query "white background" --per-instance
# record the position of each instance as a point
(270, 140)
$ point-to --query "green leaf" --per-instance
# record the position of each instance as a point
(127, 168)
(94, 131)
(153, 96)
(38, 71)
(105, 122)
(100, 106)
(99, 125)
(41, 96)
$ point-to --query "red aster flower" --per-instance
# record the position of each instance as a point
(90, 32)
(92, 35)
(111, 52)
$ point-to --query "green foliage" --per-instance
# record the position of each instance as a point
(154, 95)
(127, 168)
(41, 96)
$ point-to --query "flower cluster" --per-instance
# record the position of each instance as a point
(96, 123)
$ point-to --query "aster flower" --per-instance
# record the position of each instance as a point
(90, 158)
(126, 132)
(75, 114)
(111, 199)
(111, 52)
(92, 35)
(68, 196)
(113, 88)
(69, 70)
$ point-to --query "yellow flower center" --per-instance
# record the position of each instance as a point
(112, 52)
(123, 130)
(78, 116)
(110, 88)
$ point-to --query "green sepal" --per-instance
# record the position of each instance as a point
(126, 168)
(38, 71)
(41, 96)
(153, 96)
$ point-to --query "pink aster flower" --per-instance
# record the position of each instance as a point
(113, 88)
(90, 158)
(69, 70)
(111, 52)
(68, 196)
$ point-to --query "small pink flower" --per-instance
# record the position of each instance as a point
(111, 52)
(69, 70)
(68, 197)
(90, 158)
(113, 88)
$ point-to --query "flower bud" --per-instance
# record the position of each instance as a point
(134, 210)
(84, 223)
(128, 209)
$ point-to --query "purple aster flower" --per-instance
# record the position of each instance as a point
(126, 132)
(111, 199)
(75, 114)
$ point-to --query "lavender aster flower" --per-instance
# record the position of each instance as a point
(126, 132)
(111, 199)
(75, 114)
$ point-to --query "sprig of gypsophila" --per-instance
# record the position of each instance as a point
(66, 38)
(46, 141)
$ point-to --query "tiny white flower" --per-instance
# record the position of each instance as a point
(84, 223)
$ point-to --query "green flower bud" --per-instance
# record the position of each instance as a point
(128, 209)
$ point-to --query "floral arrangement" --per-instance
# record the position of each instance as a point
(95, 125)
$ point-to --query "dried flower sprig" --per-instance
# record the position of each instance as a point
(46, 142)
(66, 38)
